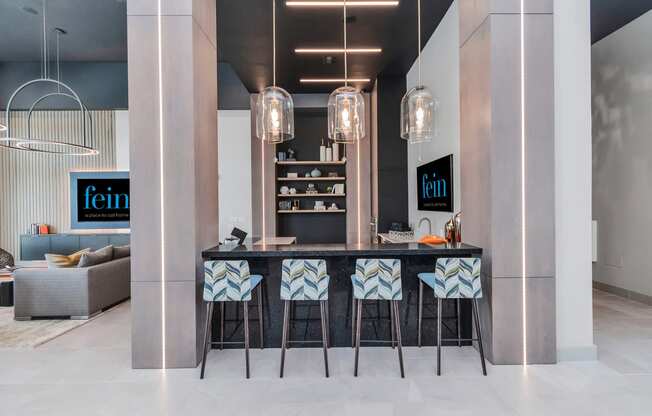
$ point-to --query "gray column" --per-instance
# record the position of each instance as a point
(173, 163)
(490, 105)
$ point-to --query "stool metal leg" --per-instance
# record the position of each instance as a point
(260, 315)
(459, 324)
(246, 334)
(420, 320)
(221, 325)
(353, 306)
(398, 337)
(438, 336)
(324, 333)
(479, 332)
(328, 325)
(285, 333)
(392, 324)
(209, 320)
(357, 336)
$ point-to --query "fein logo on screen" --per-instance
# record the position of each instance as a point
(100, 200)
(435, 185)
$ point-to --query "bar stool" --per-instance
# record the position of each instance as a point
(230, 281)
(304, 280)
(377, 279)
(456, 278)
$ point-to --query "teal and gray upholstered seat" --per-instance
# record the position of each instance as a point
(454, 278)
(377, 279)
(230, 281)
(304, 280)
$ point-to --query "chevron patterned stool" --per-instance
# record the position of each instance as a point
(230, 281)
(377, 279)
(304, 280)
(456, 278)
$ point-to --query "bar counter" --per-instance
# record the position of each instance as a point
(340, 258)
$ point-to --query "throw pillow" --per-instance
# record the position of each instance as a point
(60, 260)
(96, 257)
(121, 251)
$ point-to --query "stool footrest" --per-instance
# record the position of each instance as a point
(460, 339)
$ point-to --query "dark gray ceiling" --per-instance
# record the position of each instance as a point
(607, 16)
(244, 40)
(97, 29)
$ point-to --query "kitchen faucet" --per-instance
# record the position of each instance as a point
(429, 224)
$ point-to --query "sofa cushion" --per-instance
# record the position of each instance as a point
(121, 251)
(96, 257)
(59, 260)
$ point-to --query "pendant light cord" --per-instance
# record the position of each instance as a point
(274, 42)
(58, 63)
(419, 37)
(45, 44)
(346, 73)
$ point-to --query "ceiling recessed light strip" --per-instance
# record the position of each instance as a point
(332, 80)
(386, 3)
(337, 50)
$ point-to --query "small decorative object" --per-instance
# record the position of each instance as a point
(293, 175)
(401, 235)
(322, 151)
(311, 189)
(285, 190)
(319, 206)
(332, 174)
(457, 219)
(284, 205)
(291, 154)
(316, 173)
(338, 189)
(329, 154)
(307, 175)
(329, 189)
(333, 206)
(282, 156)
(295, 205)
(293, 191)
(449, 231)
(336, 151)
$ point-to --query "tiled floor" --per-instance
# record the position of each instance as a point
(87, 372)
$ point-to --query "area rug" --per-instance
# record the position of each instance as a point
(31, 334)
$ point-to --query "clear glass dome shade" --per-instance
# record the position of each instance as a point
(346, 115)
(418, 115)
(274, 115)
(3, 127)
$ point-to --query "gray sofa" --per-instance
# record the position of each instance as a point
(73, 292)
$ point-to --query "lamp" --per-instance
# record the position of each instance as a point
(418, 107)
(58, 147)
(274, 106)
(346, 112)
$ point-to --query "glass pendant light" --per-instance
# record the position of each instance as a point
(3, 127)
(346, 112)
(418, 107)
(274, 106)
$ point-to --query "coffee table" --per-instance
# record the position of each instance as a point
(6, 288)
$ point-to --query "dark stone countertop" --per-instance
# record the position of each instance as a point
(248, 250)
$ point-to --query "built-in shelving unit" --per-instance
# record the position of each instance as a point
(310, 211)
(328, 195)
(310, 162)
(311, 179)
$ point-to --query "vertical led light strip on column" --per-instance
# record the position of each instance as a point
(162, 181)
(523, 214)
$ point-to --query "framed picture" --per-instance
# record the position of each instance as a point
(435, 185)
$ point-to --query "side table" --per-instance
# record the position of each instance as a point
(6, 289)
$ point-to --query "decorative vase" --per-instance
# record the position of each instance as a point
(316, 173)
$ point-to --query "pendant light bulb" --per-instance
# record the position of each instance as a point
(274, 106)
(346, 108)
(418, 107)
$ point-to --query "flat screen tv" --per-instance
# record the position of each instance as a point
(435, 185)
(99, 200)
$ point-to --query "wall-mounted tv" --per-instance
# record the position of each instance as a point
(99, 200)
(435, 185)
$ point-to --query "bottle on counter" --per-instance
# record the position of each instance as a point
(329, 154)
(336, 152)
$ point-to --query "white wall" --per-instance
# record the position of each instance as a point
(622, 156)
(572, 44)
(440, 71)
(122, 139)
(234, 167)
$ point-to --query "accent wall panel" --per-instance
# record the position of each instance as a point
(35, 187)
